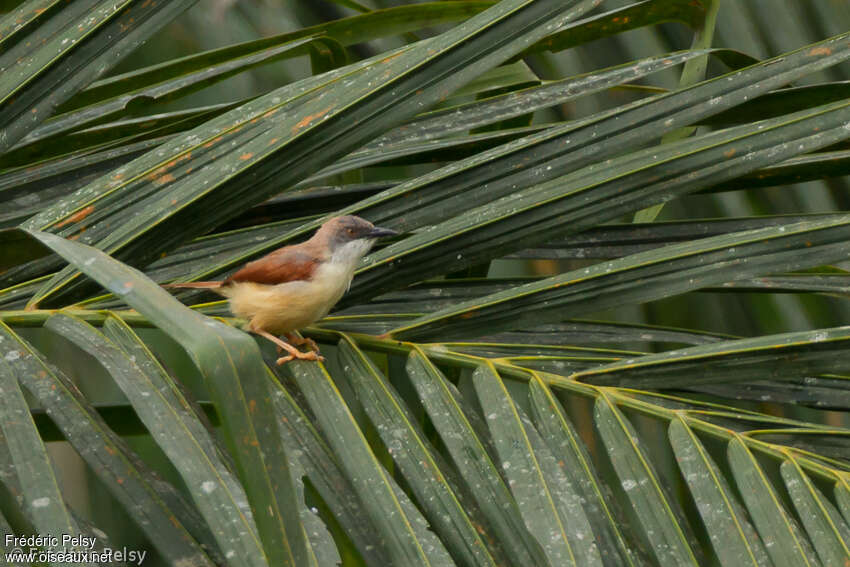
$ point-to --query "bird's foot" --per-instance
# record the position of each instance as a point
(297, 341)
(297, 354)
(292, 348)
(294, 353)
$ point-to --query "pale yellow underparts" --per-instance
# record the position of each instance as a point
(290, 306)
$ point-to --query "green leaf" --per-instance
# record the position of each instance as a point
(161, 513)
(548, 502)
(184, 78)
(428, 151)
(789, 355)
(593, 195)
(233, 371)
(398, 525)
(693, 72)
(155, 129)
(181, 436)
(825, 526)
(302, 440)
(504, 171)
(322, 549)
(582, 332)
(495, 195)
(642, 277)
(661, 523)
(25, 191)
(783, 101)
(278, 138)
(617, 240)
(735, 542)
(135, 102)
(416, 458)
(815, 166)
(510, 75)
(6, 531)
(633, 16)
(822, 441)
(390, 21)
(172, 392)
(782, 538)
(842, 496)
(55, 51)
(494, 109)
(825, 392)
(566, 445)
(42, 499)
(473, 461)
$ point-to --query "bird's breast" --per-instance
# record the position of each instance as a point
(332, 280)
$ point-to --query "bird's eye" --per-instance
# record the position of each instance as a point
(350, 231)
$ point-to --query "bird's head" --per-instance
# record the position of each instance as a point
(349, 237)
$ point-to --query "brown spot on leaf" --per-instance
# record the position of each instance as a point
(820, 51)
(163, 179)
(212, 142)
(391, 57)
(246, 155)
(76, 217)
(729, 153)
(307, 120)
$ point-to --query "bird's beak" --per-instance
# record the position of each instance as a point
(378, 232)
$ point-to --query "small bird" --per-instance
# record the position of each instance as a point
(295, 286)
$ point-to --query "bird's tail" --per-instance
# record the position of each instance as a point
(194, 285)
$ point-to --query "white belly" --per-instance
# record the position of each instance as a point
(289, 306)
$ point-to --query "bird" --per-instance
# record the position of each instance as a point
(295, 286)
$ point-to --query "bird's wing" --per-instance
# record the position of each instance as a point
(289, 264)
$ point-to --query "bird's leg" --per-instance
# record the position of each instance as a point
(294, 353)
(298, 341)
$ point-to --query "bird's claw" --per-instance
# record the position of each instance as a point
(297, 341)
(312, 355)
